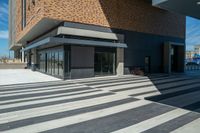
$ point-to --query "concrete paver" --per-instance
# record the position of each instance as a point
(103, 104)
(20, 76)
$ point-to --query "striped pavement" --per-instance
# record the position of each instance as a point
(127, 104)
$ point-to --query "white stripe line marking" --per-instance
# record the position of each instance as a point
(120, 82)
(182, 100)
(119, 87)
(155, 121)
(49, 100)
(30, 113)
(38, 88)
(44, 126)
(192, 127)
(42, 91)
(45, 96)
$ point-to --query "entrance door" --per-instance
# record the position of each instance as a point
(174, 59)
(104, 63)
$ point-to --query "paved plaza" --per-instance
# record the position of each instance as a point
(20, 76)
(158, 103)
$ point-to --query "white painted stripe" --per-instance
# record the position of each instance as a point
(49, 100)
(65, 105)
(44, 126)
(168, 85)
(18, 86)
(139, 90)
(119, 87)
(119, 82)
(192, 127)
(183, 100)
(97, 79)
(30, 113)
(155, 121)
(42, 91)
(46, 96)
(142, 96)
(108, 81)
(38, 89)
(178, 89)
(148, 95)
(197, 110)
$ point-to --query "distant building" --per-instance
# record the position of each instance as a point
(193, 55)
(189, 54)
(197, 49)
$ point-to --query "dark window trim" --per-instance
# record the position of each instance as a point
(23, 14)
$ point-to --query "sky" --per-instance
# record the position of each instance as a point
(4, 51)
(192, 33)
(192, 30)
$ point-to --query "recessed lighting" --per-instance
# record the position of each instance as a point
(198, 3)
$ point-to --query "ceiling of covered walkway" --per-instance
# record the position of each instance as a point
(186, 7)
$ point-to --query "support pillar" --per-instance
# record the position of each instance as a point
(167, 58)
(120, 61)
(22, 56)
(33, 59)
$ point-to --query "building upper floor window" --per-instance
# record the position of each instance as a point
(23, 13)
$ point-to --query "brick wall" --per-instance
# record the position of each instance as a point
(34, 14)
(135, 15)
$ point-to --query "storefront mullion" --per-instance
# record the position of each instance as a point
(51, 61)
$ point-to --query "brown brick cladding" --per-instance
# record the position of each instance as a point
(135, 15)
(34, 14)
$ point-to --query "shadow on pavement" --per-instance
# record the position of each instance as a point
(183, 93)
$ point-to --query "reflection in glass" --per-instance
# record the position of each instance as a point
(52, 62)
(104, 63)
(61, 63)
(56, 63)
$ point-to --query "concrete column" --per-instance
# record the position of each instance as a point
(120, 61)
(23, 56)
(167, 58)
(181, 59)
(82, 62)
(33, 59)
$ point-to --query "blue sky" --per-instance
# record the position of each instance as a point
(4, 28)
(192, 30)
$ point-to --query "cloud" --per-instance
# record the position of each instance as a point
(4, 34)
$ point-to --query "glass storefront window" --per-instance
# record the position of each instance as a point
(51, 61)
(61, 63)
(104, 63)
(56, 63)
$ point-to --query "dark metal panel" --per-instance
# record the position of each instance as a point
(67, 41)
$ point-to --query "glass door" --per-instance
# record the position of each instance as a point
(147, 64)
(104, 63)
(61, 63)
(56, 63)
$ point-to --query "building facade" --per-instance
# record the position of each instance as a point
(79, 39)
